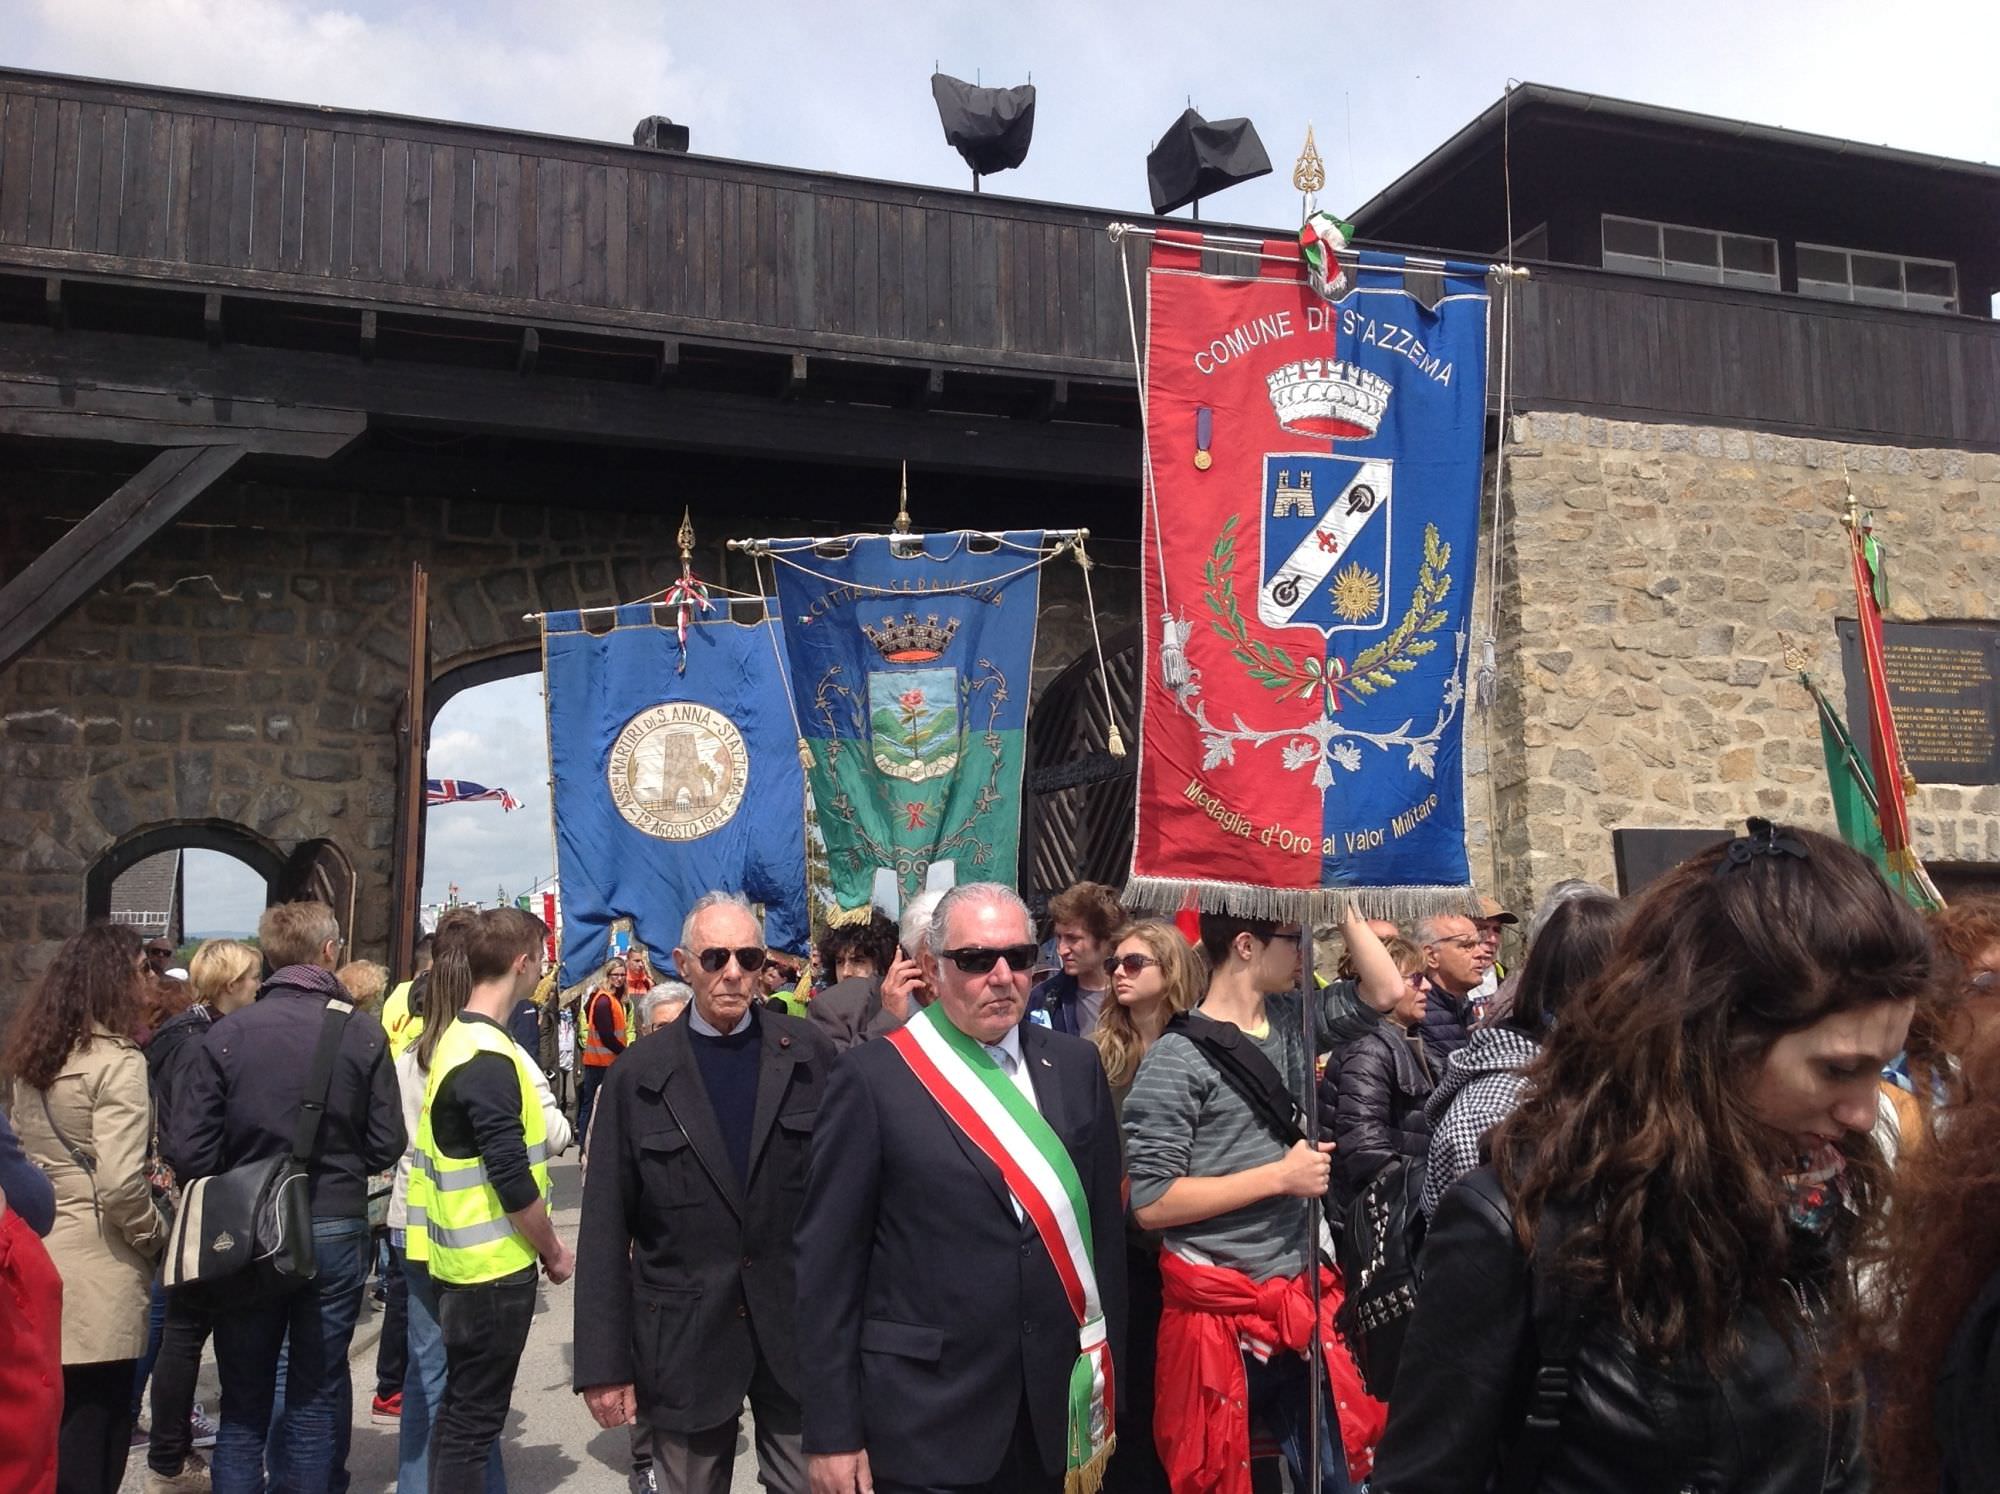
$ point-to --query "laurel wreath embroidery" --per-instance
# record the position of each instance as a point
(1374, 668)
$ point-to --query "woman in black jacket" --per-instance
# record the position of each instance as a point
(1655, 1266)
(1371, 1099)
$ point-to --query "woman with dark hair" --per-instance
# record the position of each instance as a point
(1962, 1011)
(1935, 1303)
(1371, 1098)
(1648, 1289)
(1569, 943)
(79, 1101)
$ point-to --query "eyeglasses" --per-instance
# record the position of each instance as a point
(1295, 938)
(752, 958)
(976, 961)
(1131, 964)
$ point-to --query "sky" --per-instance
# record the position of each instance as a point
(844, 87)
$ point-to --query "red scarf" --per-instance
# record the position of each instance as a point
(1200, 1416)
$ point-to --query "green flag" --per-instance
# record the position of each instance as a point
(1854, 801)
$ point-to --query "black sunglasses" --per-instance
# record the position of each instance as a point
(752, 958)
(976, 961)
(1131, 964)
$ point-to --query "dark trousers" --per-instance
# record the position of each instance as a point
(589, 1079)
(1279, 1399)
(1020, 1471)
(392, 1351)
(313, 1326)
(182, 1335)
(96, 1434)
(485, 1328)
(1135, 1467)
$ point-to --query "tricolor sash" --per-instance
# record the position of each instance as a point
(995, 1117)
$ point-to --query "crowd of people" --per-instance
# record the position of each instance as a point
(1687, 1190)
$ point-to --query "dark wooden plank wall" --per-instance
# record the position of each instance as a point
(218, 192)
(357, 205)
(1620, 345)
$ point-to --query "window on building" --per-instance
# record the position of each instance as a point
(1674, 252)
(1877, 279)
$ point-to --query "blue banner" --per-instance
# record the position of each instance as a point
(912, 659)
(669, 784)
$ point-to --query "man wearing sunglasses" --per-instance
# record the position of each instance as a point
(940, 1228)
(685, 1262)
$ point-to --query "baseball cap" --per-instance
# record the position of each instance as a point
(1488, 908)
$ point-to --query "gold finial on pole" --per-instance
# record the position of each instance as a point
(903, 503)
(686, 538)
(1796, 658)
(1309, 173)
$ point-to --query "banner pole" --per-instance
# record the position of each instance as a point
(1309, 1099)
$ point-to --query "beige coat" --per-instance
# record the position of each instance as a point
(108, 1232)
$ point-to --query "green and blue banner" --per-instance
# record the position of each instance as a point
(910, 661)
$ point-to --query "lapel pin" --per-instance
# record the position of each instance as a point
(784, 1042)
(1046, 1064)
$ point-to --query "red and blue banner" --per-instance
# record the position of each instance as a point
(1310, 532)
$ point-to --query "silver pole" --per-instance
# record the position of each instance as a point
(1315, 1355)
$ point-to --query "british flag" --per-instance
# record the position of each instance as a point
(462, 791)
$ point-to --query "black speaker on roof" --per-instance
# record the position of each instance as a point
(990, 128)
(1197, 158)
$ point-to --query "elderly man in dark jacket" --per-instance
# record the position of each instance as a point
(239, 1102)
(684, 1283)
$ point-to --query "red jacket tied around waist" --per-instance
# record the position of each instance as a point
(1201, 1416)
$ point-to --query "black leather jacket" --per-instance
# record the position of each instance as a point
(1628, 1425)
(1371, 1103)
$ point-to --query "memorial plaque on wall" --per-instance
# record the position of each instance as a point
(1944, 686)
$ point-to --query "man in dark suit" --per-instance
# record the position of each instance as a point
(685, 1263)
(939, 1333)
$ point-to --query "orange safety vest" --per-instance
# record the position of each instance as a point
(595, 1054)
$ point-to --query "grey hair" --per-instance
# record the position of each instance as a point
(717, 900)
(660, 995)
(968, 893)
(1568, 891)
(913, 930)
(1428, 931)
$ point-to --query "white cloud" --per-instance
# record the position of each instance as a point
(493, 735)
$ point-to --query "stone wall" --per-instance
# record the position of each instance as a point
(1648, 574)
(247, 666)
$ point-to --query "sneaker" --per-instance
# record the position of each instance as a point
(202, 1428)
(641, 1481)
(192, 1479)
(386, 1410)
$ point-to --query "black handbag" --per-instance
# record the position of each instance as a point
(252, 1225)
(1377, 1254)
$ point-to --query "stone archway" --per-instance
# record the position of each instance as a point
(261, 855)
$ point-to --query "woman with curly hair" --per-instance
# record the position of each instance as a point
(1963, 1010)
(1935, 1303)
(1649, 1289)
(79, 1100)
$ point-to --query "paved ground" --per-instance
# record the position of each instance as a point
(551, 1442)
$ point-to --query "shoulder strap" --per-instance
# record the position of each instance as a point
(1245, 1069)
(312, 1104)
(84, 1164)
(1558, 1323)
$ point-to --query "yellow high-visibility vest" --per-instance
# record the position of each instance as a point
(456, 1223)
(402, 1025)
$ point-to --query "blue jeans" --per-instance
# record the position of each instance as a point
(1277, 1393)
(155, 1326)
(423, 1385)
(314, 1325)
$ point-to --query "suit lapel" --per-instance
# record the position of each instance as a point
(686, 1098)
(1043, 1075)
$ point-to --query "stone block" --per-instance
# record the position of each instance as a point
(1739, 765)
(318, 766)
(309, 588)
(50, 724)
(274, 620)
(280, 726)
(157, 726)
(223, 726)
(159, 648)
(272, 804)
(194, 783)
(225, 651)
(170, 682)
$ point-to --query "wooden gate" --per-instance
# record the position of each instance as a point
(1076, 821)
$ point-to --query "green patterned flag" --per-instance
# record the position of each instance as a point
(910, 659)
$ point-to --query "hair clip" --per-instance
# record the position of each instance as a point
(1763, 840)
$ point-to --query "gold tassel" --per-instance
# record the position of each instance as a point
(805, 756)
(1115, 741)
(1089, 1479)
